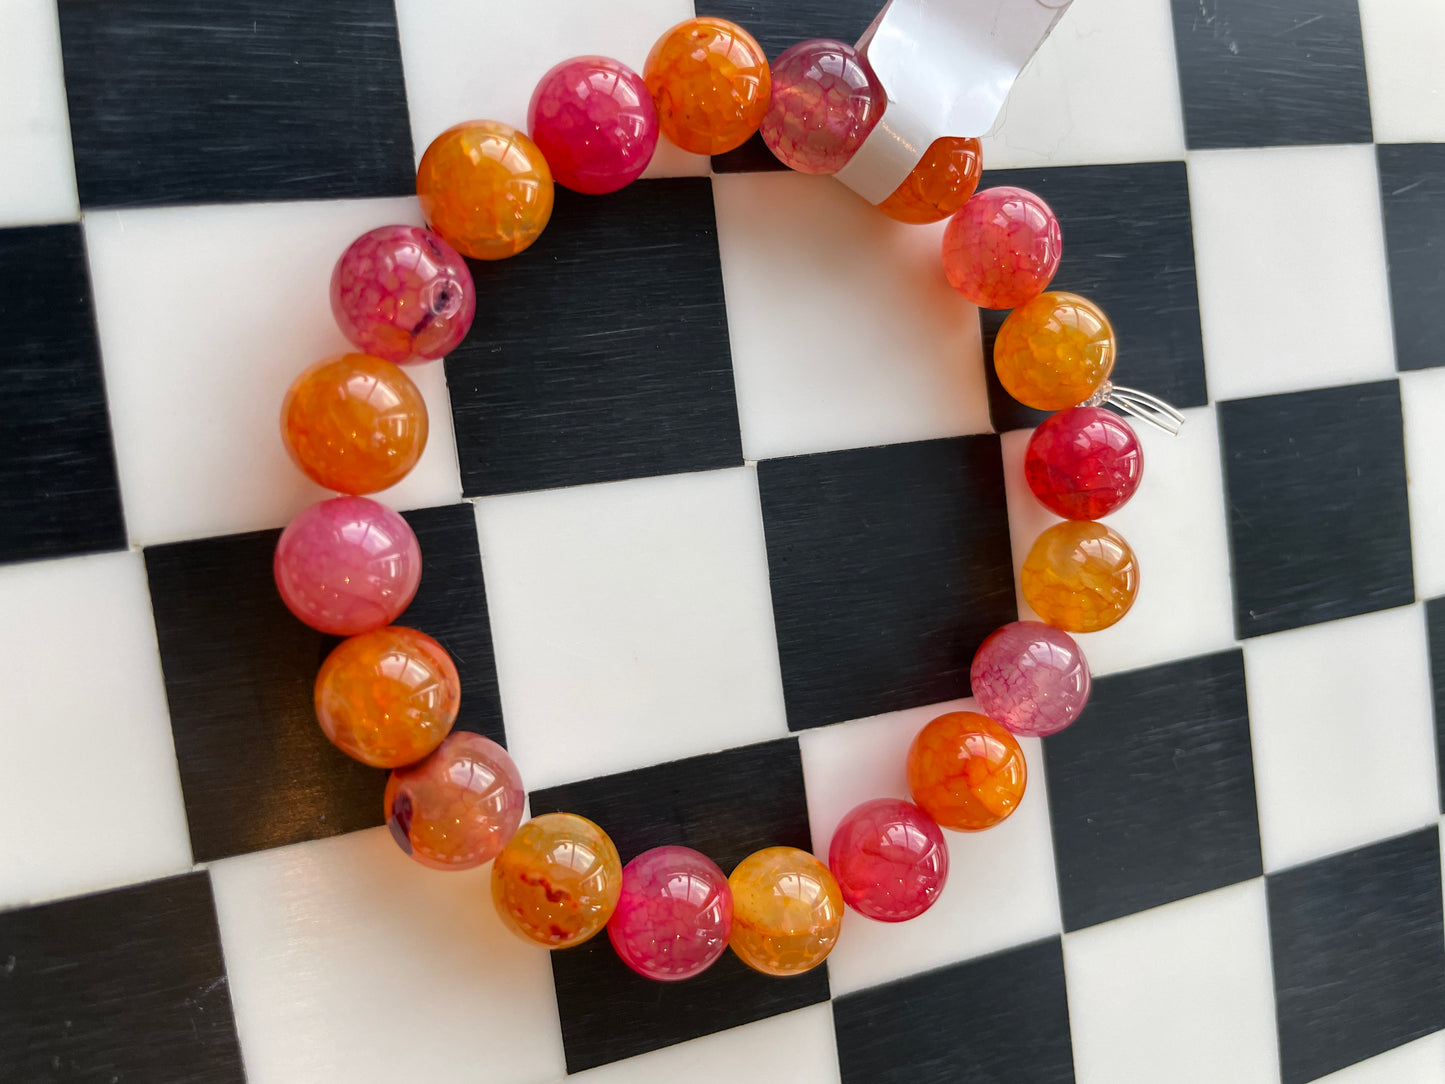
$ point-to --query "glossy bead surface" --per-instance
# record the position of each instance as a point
(387, 697)
(942, 182)
(556, 883)
(890, 859)
(1055, 351)
(486, 188)
(674, 915)
(403, 294)
(593, 119)
(1002, 247)
(1030, 677)
(1084, 463)
(825, 100)
(1080, 576)
(457, 808)
(347, 565)
(710, 83)
(787, 911)
(966, 771)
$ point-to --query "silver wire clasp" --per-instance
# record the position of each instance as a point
(1138, 404)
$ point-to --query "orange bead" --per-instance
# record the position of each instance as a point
(485, 187)
(966, 771)
(787, 911)
(1080, 576)
(354, 423)
(710, 82)
(388, 697)
(940, 184)
(1055, 351)
(558, 881)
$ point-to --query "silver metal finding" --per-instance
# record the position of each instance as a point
(1138, 404)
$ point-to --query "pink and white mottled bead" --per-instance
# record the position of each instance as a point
(1030, 677)
(403, 294)
(890, 860)
(825, 101)
(594, 120)
(1002, 247)
(674, 916)
(347, 565)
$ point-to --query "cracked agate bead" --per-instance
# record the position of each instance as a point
(787, 911)
(1084, 463)
(457, 808)
(1001, 248)
(890, 859)
(403, 294)
(593, 119)
(710, 83)
(486, 188)
(387, 697)
(1054, 351)
(347, 565)
(558, 880)
(966, 771)
(674, 915)
(1030, 677)
(940, 184)
(825, 100)
(1080, 576)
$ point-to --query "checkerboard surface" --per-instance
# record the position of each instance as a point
(721, 496)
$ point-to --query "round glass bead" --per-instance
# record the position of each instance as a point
(403, 294)
(387, 697)
(890, 860)
(486, 188)
(556, 883)
(457, 808)
(710, 82)
(674, 915)
(1002, 247)
(825, 100)
(1080, 576)
(1084, 463)
(966, 771)
(940, 184)
(1030, 677)
(347, 565)
(787, 911)
(593, 119)
(1054, 351)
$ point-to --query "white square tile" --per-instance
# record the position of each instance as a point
(632, 622)
(348, 961)
(1344, 740)
(1420, 1062)
(206, 315)
(1403, 46)
(1422, 401)
(1290, 253)
(1180, 993)
(844, 332)
(1067, 108)
(92, 789)
(1002, 889)
(37, 183)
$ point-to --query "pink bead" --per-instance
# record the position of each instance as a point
(403, 294)
(890, 860)
(1030, 677)
(825, 101)
(1084, 463)
(595, 123)
(347, 565)
(674, 916)
(1002, 247)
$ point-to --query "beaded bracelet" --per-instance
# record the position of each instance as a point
(348, 566)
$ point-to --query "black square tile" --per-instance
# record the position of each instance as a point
(888, 568)
(726, 805)
(1151, 792)
(1128, 246)
(59, 493)
(256, 770)
(778, 26)
(1359, 954)
(124, 985)
(1435, 627)
(601, 352)
(1001, 1018)
(1412, 192)
(200, 101)
(752, 157)
(1319, 522)
(1282, 73)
